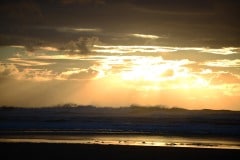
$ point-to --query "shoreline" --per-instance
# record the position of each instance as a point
(124, 139)
(98, 151)
(76, 133)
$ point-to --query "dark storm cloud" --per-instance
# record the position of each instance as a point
(206, 22)
(174, 6)
(185, 22)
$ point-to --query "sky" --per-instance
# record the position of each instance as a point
(115, 53)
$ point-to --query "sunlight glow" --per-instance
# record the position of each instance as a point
(67, 29)
(149, 73)
(223, 63)
(223, 51)
(49, 48)
(131, 49)
(145, 36)
(125, 75)
(156, 49)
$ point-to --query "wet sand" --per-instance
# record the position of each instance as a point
(111, 152)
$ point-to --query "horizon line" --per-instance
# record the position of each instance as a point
(73, 105)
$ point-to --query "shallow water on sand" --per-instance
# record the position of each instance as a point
(125, 139)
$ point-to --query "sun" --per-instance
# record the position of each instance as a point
(150, 73)
(156, 73)
(154, 69)
(145, 69)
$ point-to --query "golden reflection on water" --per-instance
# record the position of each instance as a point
(128, 140)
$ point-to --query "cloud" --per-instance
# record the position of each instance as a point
(77, 30)
(223, 63)
(28, 62)
(202, 23)
(137, 69)
(48, 48)
(83, 45)
(174, 6)
(131, 49)
(157, 49)
(148, 36)
(78, 74)
(8, 70)
(25, 12)
(83, 2)
(222, 51)
(37, 74)
(59, 57)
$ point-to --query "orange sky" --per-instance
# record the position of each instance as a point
(121, 76)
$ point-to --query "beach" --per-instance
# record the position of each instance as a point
(111, 152)
(131, 133)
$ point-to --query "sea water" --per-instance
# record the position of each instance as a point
(127, 139)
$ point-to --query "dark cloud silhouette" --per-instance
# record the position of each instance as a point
(83, 45)
(82, 2)
(185, 23)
